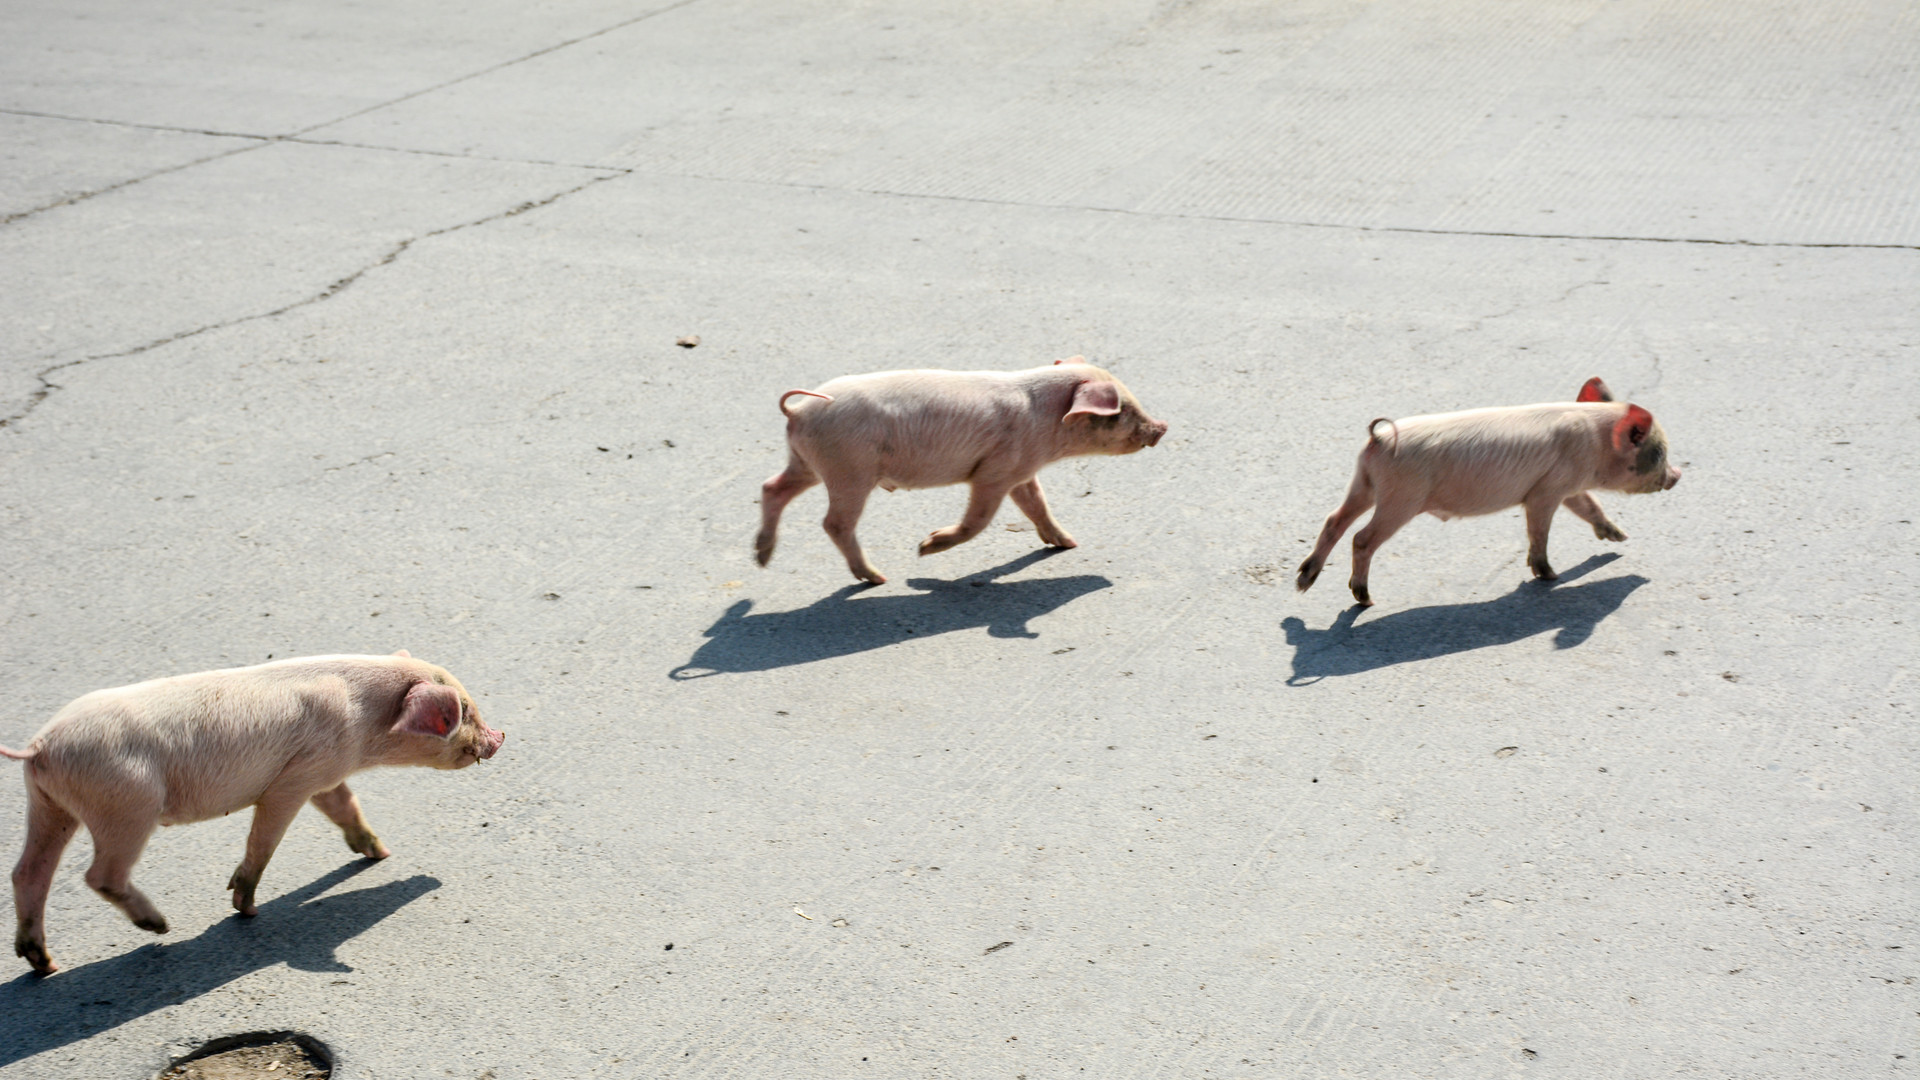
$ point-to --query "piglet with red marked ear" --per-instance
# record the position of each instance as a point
(192, 747)
(1460, 464)
(992, 430)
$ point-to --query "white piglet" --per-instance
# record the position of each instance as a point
(993, 430)
(274, 737)
(1460, 464)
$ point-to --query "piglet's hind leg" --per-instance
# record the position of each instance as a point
(775, 494)
(1388, 518)
(1358, 501)
(117, 844)
(343, 809)
(49, 827)
(846, 499)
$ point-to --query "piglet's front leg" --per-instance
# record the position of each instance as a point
(1587, 509)
(983, 502)
(343, 809)
(1539, 520)
(1033, 503)
(271, 816)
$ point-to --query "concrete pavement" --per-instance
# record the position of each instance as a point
(352, 329)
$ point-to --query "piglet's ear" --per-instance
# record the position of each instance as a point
(1070, 360)
(1630, 430)
(1595, 390)
(1094, 399)
(403, 652)
(430, 709)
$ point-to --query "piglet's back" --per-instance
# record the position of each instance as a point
(213, 740)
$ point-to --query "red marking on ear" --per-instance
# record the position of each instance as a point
(1095, 399)
(1595, 390)
(1631, 429)
(403, 652)
(1070, 360)
(430, 709)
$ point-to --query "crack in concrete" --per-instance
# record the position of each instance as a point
(294, 136)
(48, 386)
(1659, 370)
(1517, 308)
(358, 461)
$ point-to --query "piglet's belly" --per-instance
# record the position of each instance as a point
(205, 806)
(922, 479)
(1450, 509)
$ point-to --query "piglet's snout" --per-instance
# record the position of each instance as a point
(1673, 477)
(1150, 433)
(490, 743)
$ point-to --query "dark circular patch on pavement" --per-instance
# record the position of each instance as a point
(255, 1055)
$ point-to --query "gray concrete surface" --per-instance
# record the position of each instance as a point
(341, 328)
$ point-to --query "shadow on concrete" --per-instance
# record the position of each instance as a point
(40, 1014)
(843, 623)
(1402, 637)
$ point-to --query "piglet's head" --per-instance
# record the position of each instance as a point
(1104, 418)
(1640, 453)
(440, 723)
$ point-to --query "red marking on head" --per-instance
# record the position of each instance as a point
(1631, 430)
(1095, 399)
(1595, 390)
(403, 652)
(430, 709)
(1070, 360)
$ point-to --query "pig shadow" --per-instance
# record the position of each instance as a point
(1402, 637)
(842, 624)
(301, 929)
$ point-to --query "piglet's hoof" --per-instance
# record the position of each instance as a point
(35, 953)
(366, 843)
(243, 895)
(937, 543)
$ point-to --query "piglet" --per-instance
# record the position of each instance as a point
(1478, 462)
(993, 430)
(193, 747)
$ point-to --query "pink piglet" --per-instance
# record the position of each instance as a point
(1541, 457)
(192, 747)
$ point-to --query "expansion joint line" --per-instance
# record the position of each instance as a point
(258, 141)
(1174, 215)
